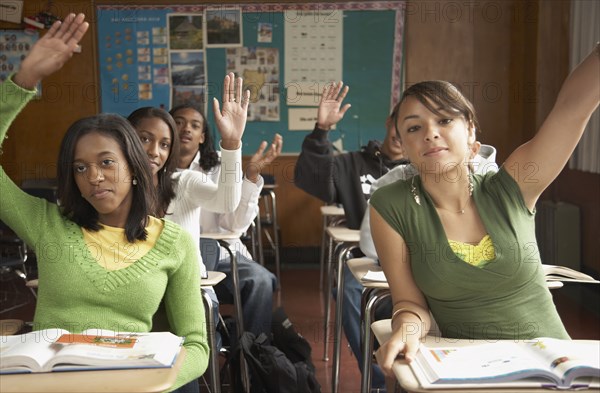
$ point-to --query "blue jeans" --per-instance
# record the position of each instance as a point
(256, 289)
(351, 321)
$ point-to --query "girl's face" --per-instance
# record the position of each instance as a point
(104, 177)
(190, 125)
(156, 139)
(431, 142)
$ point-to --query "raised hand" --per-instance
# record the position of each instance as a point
(51, 51)
(261, 157)
(329, 112)
(231, 120)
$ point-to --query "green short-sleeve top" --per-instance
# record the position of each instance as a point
(505, 299)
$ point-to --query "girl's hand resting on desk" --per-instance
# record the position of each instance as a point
(400, 345)
(51, 51)
(231, 121)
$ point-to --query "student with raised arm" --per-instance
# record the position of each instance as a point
(111, 262)
(463, 246)
(199, 155)
(346, 178)
(184, 194)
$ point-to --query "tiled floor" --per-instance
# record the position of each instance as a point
(578, 306)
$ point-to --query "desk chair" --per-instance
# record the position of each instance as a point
(267, 218)
(14, 252)
(222, 238)
(211, 326)
(9, 327)
(373, 293)
(13, 262)
(341, 242)
(333, 215)
(209, 249)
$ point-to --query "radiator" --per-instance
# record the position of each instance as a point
(557, 228)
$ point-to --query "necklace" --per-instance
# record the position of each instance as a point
(461, 211)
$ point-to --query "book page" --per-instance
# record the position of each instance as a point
(493, 362)
(377, 276)
(28, 351)
(563, 273)
(569, 359)
(117, 350)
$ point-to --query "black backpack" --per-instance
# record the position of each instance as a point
(285, 367)
(289, 341)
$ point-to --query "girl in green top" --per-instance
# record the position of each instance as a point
(104, 262)
(461, 246)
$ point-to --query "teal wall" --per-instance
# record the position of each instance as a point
(368, 46)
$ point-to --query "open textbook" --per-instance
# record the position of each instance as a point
(552, 273)
(58, 350)
(544, 362)
(563, 273)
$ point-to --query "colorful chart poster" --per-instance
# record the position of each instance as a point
(259, 66)
(133, 60)
(14, 46)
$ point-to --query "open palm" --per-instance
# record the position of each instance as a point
(231, 118)
(330, 107)
(52, 51)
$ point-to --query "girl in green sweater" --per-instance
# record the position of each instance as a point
(103, 261)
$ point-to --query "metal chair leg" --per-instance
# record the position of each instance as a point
(370, 299)
(343, 253)
(237, 300)
(213, 364)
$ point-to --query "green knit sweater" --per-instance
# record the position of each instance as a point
(76, 293)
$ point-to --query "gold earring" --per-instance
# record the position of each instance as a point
(470, 183)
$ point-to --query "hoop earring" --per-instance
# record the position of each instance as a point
(413, 191)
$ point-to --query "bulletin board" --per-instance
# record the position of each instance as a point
(137, 67)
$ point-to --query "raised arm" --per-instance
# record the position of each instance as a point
(231, 120)
(263, 157)
(315, 165)
(52, 51)
(239, 220)
(410, 316)
(22, 212)
(535, 164)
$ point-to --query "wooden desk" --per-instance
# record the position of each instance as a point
(407, 379)
(141, 380)
(222, 238)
